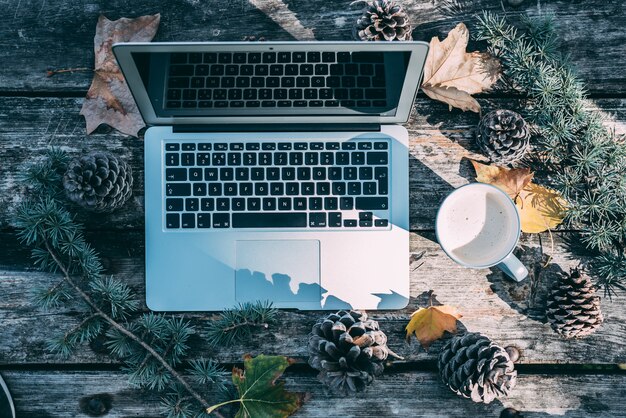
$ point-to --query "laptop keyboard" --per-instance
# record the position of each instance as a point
(282, 184)
(276, 79)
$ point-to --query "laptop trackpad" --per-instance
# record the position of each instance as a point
(279, 271)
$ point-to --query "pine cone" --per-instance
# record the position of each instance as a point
(383, 20)
(348, 350)
(573, 307)
(98, 181)
(475, 367)
(503, 135)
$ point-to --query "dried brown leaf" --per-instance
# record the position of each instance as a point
(510, 180)
(452, 75)
(109, 100)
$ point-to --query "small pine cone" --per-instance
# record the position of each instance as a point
(503, 135)
(573, 308)
(348, 350)
(383, 20)
(475, 367)
(98, 181)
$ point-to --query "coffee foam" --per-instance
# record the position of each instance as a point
(477, 225)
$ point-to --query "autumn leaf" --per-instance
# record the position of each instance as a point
(510, 180)
(452, 75)
(539, 208)
(260, 395)
(109, 100)
(429, 324)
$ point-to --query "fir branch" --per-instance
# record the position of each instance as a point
(120, 328)
(236, 324)
(586, 162)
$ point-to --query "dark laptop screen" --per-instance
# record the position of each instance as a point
(280, 83)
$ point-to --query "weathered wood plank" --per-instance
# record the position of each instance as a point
(416, 394)
(39, 34)
(510, 313)
(440, 143)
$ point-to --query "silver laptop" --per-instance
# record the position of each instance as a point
(275, 171)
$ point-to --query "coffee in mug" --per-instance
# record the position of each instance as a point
(478, 226)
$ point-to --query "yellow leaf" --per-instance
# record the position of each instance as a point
(510, 180)
(429, 324)
(540, 208)
(452, 75)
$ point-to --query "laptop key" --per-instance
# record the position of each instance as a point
(172, 220)
(377, 158)
(176, 174)
(221, 220)
(204, 220)
(372, 203)
(174, 205)
(334, 219)
(188, 220)
(349, 223)
(178, 189)
(171, 159)
(191, 204)
(346, 203)
(381, 222)
(270, 220)
(317, 220)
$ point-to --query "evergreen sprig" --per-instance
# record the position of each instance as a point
(236, 324)
(151, 346)
(585, 160)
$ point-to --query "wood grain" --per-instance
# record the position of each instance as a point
(441, 142)
(509, 313)
(36, 35)
(41, 394)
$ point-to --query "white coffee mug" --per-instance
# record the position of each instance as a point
(478, 226)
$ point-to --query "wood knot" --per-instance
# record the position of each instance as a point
(96, 405)
(511, 413)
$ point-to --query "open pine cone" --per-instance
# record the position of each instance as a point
(503, 136)
(98, 181)
(573, 308)
(383, 20)
(348, 350)
(475, 367)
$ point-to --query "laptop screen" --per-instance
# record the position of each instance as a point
(275, 82)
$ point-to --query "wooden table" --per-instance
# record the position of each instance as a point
(557, 377)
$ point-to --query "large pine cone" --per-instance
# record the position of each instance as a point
(348, 350)
(475, 367)
(383, 20)
(98, 181)
(573, 306)
(503, 135)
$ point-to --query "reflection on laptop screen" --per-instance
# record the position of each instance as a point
(281, 83)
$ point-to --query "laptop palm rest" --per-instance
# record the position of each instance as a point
(280, 271)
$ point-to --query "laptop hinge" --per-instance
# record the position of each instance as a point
(269, 127)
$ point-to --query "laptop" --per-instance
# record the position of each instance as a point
(275, 171)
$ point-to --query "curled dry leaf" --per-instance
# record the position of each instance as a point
(429, 324)
(109, 100)
(540, 208)
(510, 180)
(452, 75)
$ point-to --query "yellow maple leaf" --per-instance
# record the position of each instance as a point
(452, 75)
(540, 208)
(429, 324)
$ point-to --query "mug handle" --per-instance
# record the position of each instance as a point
(513, 268)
